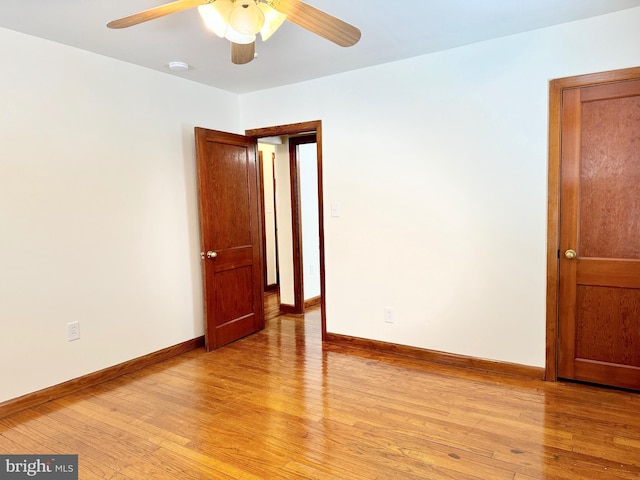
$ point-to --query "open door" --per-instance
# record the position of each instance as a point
(230, 236)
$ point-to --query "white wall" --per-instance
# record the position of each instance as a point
(98, 210)
(283, 217)
(440, 165)
(271, 260)
(310, 221)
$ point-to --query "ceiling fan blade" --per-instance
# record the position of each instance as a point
(242, 53)
(319, 22)
(156, 12)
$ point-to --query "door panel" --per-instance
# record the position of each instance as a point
(230, 229)
(610, 178)
(599, 295)
(614, 308)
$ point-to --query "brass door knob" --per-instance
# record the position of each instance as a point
(211, 254)
(570, 254)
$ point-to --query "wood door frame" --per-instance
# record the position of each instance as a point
(296, 219)
(297, 129)
(556, 88)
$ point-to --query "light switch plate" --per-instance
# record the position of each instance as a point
(335, 209)
(73, 331)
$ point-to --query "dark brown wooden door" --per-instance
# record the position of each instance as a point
(230, 236)
(599, 327)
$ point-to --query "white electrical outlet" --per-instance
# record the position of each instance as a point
(389, 316)
(73, 331)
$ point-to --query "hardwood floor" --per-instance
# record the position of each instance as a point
(271, 304)
(281, 405)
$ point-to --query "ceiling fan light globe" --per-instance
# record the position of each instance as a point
(246, 18)
(216, 16)
(272, 20)
(240, 38)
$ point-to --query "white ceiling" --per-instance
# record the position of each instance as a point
(391, 30)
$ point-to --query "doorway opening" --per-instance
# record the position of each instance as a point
(292, 206)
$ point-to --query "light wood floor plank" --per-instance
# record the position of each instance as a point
(282, 405)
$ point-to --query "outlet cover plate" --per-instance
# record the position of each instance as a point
(73, 331)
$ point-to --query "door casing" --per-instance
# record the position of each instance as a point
(296, 220)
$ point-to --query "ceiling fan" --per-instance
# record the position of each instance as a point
(240, 20)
